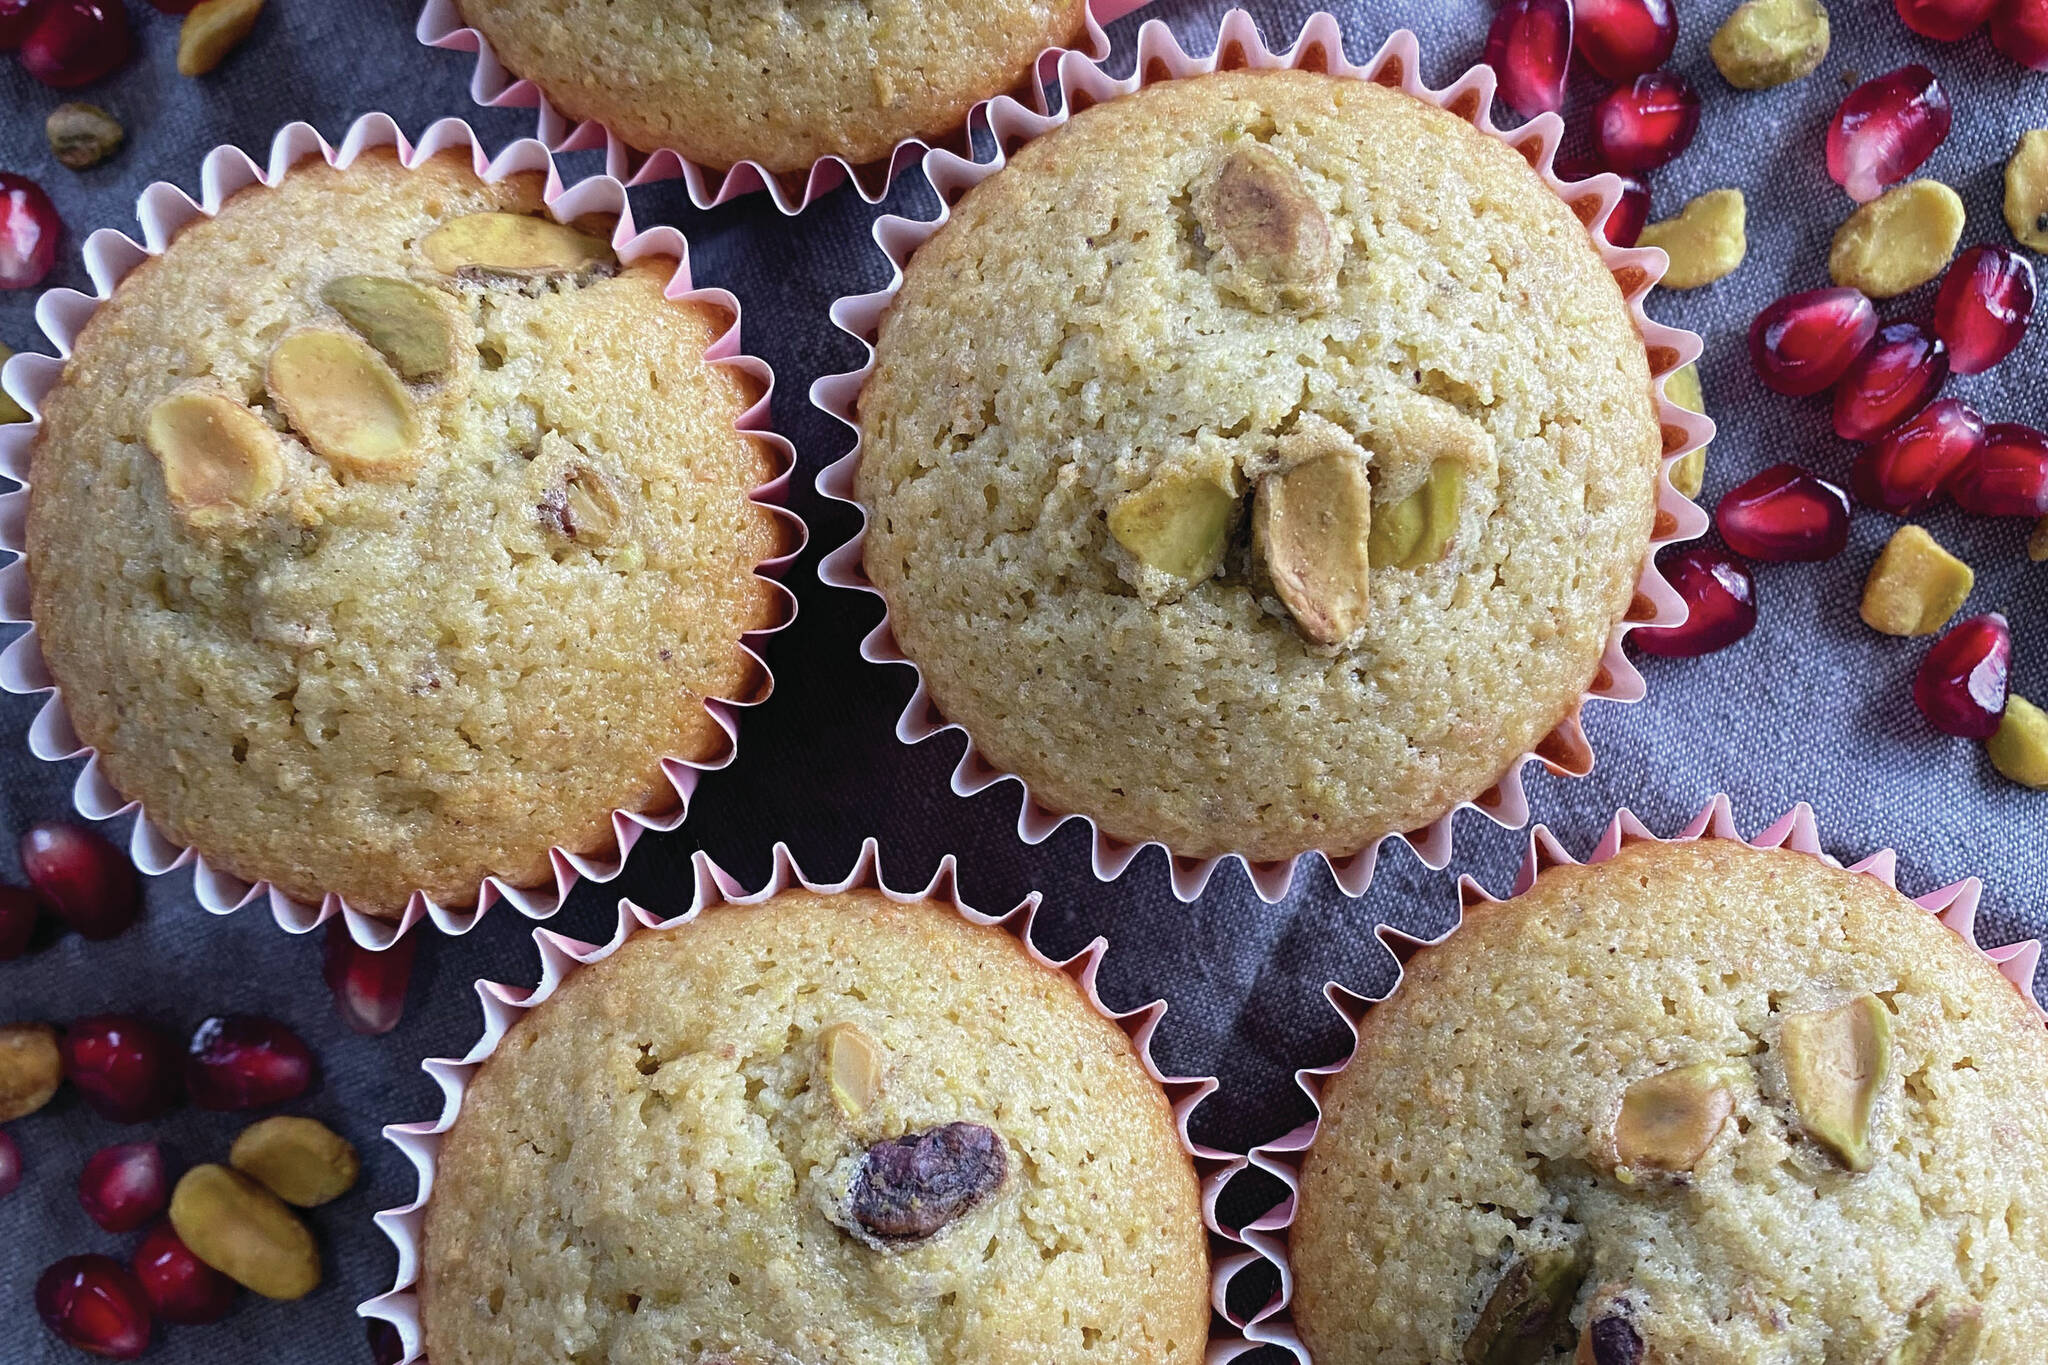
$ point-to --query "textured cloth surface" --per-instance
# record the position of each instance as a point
(1814, 706)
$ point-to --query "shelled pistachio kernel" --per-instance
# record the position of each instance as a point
(1268, 233)
(2019, 749)
(1528, 1308)
(212, 29)
(2026, 190)
(404, 320)
(10, 411)
(1771, 42)
(82, 135)
(1915, 586)
(31, 1067)
(1669, 1121)
(1177, 524)
(1940, 1332)
(1683, 388)
(1898, 241)
(1706, 241)
(513, 244)
(853, 1069)
(2037, 543)
(245, 1232)
(219, 459)
(1836, 1063)
(300, 1160)
(346, 403)
(1310, 529)
(1416, 531)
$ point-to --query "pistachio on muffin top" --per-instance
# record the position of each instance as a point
(1258, 463)
(1700, 1103)
(824, 1130)
(385, 532)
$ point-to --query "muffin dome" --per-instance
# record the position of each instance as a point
(1699, 1103)
(1258, 463)
(384, 533)
(827, 1128)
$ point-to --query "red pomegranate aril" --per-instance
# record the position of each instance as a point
(1909, 470)
(1785, 514)
(181, 1288)
(2007, 476)
(1720, 600)
(1530, 48)
(368, 986)
(1886, 129)
(244, 1061)
(1624, 38)
(89, 883)
(126, 1068)
(386, 1346)
(29, 228)
(75, 42)
(1945, 20)
(124, 1187)
(1962, 683)
(1624, 225)
(2020, 31)
(1646, 123)
(94, 1303)
(1982, 310)
(1897, 375)
(1805, 342)
(20, 911)
(17, 17)
(10, 1165)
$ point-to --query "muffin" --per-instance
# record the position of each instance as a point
(384, 533)
(779, 83)
(1699, 1103)
(1258, 463)
(827, 1128)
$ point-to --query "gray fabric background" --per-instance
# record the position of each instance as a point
(1813, 706)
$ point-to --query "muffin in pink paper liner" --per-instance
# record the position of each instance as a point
(287, 480)
(835, 1024)
(1022, 38)
(1631, 505)
(1838, 1084)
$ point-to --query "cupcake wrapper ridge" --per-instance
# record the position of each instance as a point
(1318, 47)
(441, 25)
(1265, 1239)
(163, 209)
(560, 956)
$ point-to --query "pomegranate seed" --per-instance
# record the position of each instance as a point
(1961, 685)
(1529, 47)
(1885, 130)
(1804, 342)
(1907, 472)
(20, 911)
(17, 17)
(124, 1187)
(1897, 375)
(1720, 599)
(95, 1304)
(386, 1346)
(1645, 123)
(244, 1061)
(181, 1287)
(75, 42)
(1624, 38)
(1945, 20)
(1785, 514)
(369, 987)
(2008, 475)
(1983, 308)
(89, 883)
(126, 1069)
(1625, 225)
(10, 1165)
(2020, 31)
(29, 228)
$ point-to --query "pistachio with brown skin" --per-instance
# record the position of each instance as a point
(584, 507)
(1269, 239)
(909, 1188)
(1940, 1332)
(82, 135)
(1528, 1310)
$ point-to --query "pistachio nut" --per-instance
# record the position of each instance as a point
(1311, 526)
(1836, 1064)
(404, 320)
(1706, 241)
(1771, 42)
(1269, 238)
(1177, 524)
(2026, 190)
(345, 402)
(853, 1068)
(245, 1232)
(1899, 240)
(1682, 386)
(219, 459)
(515, 245)
(2019, 749)
(1915, 586)
(1529, 1309)
(1669, 1121)
(300, 1160)
(31, 1068)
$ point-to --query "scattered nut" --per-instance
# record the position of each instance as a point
(245, 1232)
(1770, 42)
(1528, 1310)
(213, 29)
(1836, 1062)
(2019, 750)
(1939, 1333)
(10, 411)
(2026, 190)
(1706, 241)
(30, 1069)
(1898, 241)
(1178, 524)
(1416, 531)
(853, 1069)
(219, 459)
(480, 245)
(301, 1161)
(82, 135)
(585, 507)
(1667, 1122)
(344, 400)
(1268, 237)
(403, 320)
(1682, 387)
(908, 1188)
(1310, 528)
(1610, 1336)
(1915, 586)
(2037, 543)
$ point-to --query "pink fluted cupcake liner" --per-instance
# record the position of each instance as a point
(441, 25)
(713, 886)
(1319, 47)
(163, 209)
(1266, 1238)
